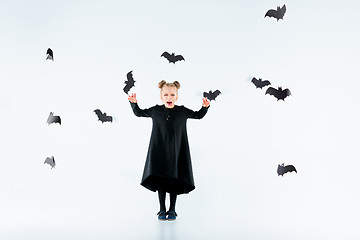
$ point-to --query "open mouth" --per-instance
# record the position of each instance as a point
(169, 104)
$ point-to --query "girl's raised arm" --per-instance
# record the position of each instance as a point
(135, 107)
(201, 113)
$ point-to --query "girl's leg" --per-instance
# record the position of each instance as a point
(172, 201)
(162, 196)
(171, 213)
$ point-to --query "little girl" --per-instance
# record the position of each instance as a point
(168, 163)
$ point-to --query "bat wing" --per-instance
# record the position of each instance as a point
(99, 114)
(49, 51)
(50, 161)
(282, 94)
(57, 119)
(287, 92)
(109, 119)
(216, 93)
(282, 11)
(166, 55)
(130, 79)
(50, 119)
(127, 88)
(272, 13)
(289, 168)
(47, 160)
(272, 91)
(129, 83)
(255, 82)
(265, 83)
(178, 58)
(206, 95)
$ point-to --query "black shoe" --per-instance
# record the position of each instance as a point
(171, 215)
(162, 215)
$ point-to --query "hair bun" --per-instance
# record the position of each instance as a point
(177, 84)
(162, 83)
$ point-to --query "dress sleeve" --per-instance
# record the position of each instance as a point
(197, 114)
(141, 112)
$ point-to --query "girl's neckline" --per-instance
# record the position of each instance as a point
(169, 108)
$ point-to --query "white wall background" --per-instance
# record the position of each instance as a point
(94, 191)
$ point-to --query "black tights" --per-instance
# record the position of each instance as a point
(162, 196)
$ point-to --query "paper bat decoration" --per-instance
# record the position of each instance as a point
(129, 83)
(53, 119)
(278, 93)
(260, 83)
(102, 116)
(281, 170)
(278, 13)
(50, 161)
(50, 54)
(172, 58)
(211, 95)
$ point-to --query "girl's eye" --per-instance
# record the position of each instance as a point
(172, 95)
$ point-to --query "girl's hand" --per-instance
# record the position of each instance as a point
(206, 102)
(132, 98)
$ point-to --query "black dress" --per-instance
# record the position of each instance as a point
(168, 163)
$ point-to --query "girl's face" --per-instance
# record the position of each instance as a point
(169, 96)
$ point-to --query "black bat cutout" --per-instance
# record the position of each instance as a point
(102, 116)
(211, 95)
(278, 13)
(53, 119)
(281, 170)
(50, 54)
(278, 93)
(260, 83)
(172, 58)
(50, 161)
(129, 83)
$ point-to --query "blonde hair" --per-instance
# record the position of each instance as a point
(163, 83)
